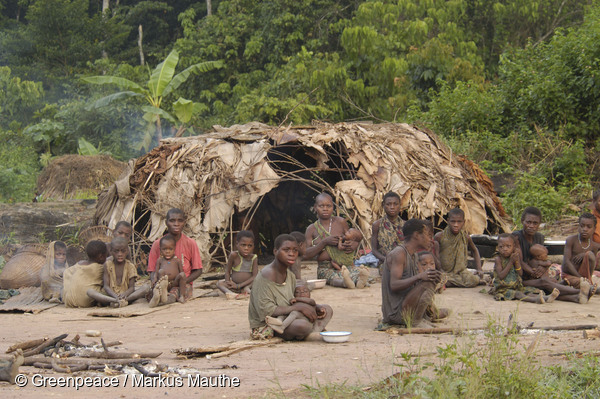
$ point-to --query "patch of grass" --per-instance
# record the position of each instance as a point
(500, 368)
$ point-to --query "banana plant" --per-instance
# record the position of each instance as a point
(161, 83)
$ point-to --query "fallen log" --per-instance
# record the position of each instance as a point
(44, 345)
(26, 344)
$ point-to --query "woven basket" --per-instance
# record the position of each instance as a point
(23, 269)
(101, 233)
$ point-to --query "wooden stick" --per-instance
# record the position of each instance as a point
(104, 345)
(68, 368)
(143, 371)
(118, 355)
(29, 361)
(44, 345)
(26, 344)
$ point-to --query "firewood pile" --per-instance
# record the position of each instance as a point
(69, 356)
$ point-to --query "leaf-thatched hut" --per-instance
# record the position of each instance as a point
(265, 178)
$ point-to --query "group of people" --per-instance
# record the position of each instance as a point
(108, 276)
(414, 265)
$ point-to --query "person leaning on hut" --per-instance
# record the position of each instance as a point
(186, 250)
(407, 296)
(334, 265)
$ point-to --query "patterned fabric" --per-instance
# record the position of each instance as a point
(260, 333)
(507, 288)
(390, 234)
(338, 256)
(326, 271)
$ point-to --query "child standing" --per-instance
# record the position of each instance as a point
(170, 277)
(241, 268)
(455, 243)
(119, 278)
(508, 284)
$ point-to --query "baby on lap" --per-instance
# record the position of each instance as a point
(301, 294)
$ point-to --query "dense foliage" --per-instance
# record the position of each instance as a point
(513, 84)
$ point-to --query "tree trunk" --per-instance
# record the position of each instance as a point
(140, 37)
(105, 6)
(208, 7)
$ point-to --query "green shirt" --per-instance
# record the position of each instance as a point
(267, 295)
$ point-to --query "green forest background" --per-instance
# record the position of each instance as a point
(514, 85)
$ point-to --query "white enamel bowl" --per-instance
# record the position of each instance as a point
(336, 336)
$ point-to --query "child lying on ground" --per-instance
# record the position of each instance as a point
(241, 268)
(169, 276)
(301, 294)
(52, 273)
(118, 278)
(508, 284)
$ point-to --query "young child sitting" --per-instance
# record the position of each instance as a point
(118, 278)
(540, 264)
(52, 272)
(508, 284)
(84, 276)
(426, 261)
(169, 276)
(296, 267)
(241, 268)
(455, 243)
(301, 294)
(579, 260)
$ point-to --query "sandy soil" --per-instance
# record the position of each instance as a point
(283, 369)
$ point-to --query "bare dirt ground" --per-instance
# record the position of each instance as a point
(282, 370)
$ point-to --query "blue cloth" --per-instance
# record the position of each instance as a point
(368, 259)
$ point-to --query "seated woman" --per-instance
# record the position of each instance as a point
(52, 272)
(538, 277)
(273, 293)
(335, 265)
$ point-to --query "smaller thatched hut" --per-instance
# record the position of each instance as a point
(265, 178)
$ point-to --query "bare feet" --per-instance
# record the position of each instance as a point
(542, 298)
(553, 295)
(363, 277)
(230, 295)
(114, 304)
(346, 277)
(275, 324)
(584, 291)
(181, 299)
(163, 283)
(156, 294)
(242, 295)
